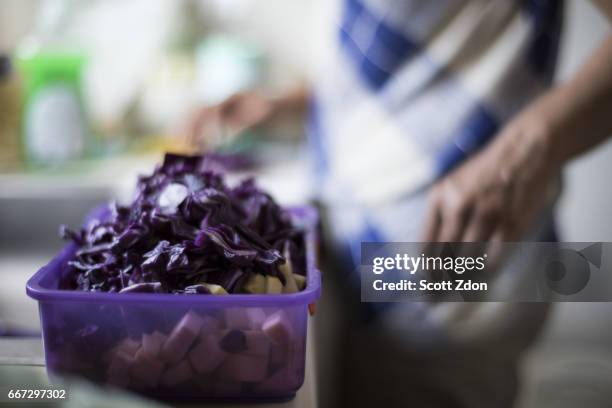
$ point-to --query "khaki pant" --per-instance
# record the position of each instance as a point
(395, 360)
(375, 365)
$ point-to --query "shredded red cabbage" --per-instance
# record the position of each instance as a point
(185, 227)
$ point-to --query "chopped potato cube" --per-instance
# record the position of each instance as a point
(215, 289)
(273, 285)
(256, 284)
(300, 281)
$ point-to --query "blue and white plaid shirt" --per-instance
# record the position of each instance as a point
(413, 88)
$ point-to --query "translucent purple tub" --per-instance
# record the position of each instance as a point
(234, 347)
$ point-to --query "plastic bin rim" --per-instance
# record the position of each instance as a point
(311, 292)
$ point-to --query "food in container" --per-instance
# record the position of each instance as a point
(189, 298)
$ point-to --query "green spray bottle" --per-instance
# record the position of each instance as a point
(54, 125)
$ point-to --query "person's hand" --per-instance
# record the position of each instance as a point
(211, 125)
(497, 194)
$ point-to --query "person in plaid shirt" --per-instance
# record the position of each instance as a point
(438, 121)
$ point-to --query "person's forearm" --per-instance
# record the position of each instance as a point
(295, 100)
(577, 114)
(498, 193)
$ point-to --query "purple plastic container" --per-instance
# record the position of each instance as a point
(233, 348)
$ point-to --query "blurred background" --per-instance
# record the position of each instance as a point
(92, 92)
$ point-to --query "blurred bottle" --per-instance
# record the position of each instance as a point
(54, 124)
(10, 104)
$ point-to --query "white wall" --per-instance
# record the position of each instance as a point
(572, 363)
(15, 18)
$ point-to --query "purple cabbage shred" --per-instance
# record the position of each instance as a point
(185, 228)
